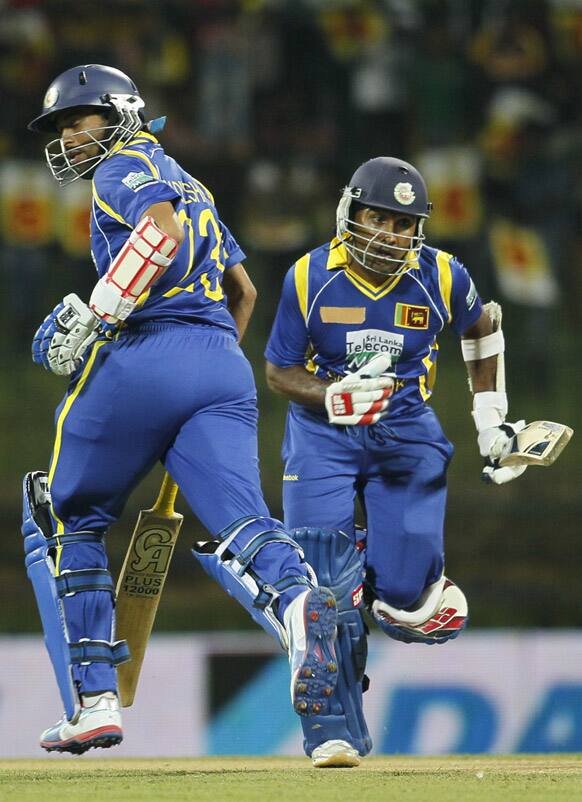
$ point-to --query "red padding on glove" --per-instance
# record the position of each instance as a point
(376, 406)
(342, 404)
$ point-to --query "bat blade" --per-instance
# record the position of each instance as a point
(540, 443)
(141, 582)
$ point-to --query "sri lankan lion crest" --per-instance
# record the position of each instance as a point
(404, 193)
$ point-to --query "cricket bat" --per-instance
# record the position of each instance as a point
(539, 443)
(141, 582)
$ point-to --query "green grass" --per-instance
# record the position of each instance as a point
(437, 779)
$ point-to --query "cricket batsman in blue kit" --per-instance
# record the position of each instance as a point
(354, 349)
(156, 374)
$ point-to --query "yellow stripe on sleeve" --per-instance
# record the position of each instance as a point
(119, 148)
(108, 210)
(445, 279)
(302, 283)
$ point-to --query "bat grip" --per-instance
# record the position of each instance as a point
(167, 496)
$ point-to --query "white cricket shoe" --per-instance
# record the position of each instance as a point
(98, 725)
(335, 754)
(311, 624)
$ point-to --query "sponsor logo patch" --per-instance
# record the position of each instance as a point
(135, 181)
(357, 596)
(411, 317)
(362, 345)
(290, 477)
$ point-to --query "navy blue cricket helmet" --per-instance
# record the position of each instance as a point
(87, 85)
(98, 88)
(389, 183)
(383, 183)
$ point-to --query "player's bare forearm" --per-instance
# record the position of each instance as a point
(297, 384)
(166, 219)
(482, 372)
(240, 296)
(241, 311)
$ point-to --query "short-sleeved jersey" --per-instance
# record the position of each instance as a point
(136, 175)
(332, 321)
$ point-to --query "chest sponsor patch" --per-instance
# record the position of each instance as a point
(411, 317)
(362, 345)
(136, 181)
(342, 314)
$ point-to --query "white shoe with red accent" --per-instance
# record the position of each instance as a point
(335, 754)
(311, 624)
(440, 615)
(98, 725)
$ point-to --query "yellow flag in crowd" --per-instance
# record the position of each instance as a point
(34, 212)
(522, 264)
(453, 176)
(74, 219)
(26, 202)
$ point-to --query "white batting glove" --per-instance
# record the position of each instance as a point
(75, 329)
(500, 476)
(494, 444)
(361, 398)
(495, 437)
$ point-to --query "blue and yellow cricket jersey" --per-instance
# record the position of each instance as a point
(332, 321)
(136, 175)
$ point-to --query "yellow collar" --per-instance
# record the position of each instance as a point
(141, 136)
(372, 290)
(338, 256)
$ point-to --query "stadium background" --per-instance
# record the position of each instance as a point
(272, 104)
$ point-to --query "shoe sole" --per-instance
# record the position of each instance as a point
(343, 760)
(316, 677)
(101, 738)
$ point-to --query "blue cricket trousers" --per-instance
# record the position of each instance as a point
(180, 394)
(397, 468)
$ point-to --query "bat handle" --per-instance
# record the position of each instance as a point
(167, 496)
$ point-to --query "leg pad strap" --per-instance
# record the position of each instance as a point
(99, 651)
(84, 579)
(229, 560)
(71, 603)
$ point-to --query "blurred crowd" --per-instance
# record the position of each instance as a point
(273, 103)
